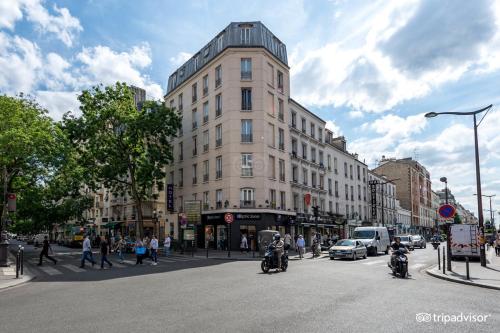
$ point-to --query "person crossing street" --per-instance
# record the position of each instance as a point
(104, 253)
(87, 252)
(166, 245)
(154, 250)
(45, 252)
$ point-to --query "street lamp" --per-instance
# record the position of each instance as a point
(448, 226)
(478, 173)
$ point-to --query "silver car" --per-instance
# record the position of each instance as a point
(407, 241)
(419, 241)
(348, 248)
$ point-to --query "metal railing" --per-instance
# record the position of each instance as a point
(247, 204)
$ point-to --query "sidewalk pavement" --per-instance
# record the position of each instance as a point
(245, 256)
(485, 277)
(8, 274)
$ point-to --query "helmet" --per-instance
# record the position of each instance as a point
(397, 238)
(277, 236)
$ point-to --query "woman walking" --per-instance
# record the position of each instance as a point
(120, 248)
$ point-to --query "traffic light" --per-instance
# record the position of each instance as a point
(315, 211)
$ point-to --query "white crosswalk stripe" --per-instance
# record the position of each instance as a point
(374, 262)
(73, 268)
(49, 270)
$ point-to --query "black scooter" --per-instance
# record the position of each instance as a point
(400, 267)
(270, 260)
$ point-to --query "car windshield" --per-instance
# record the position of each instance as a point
(405, 239)
(345, 242)
(364, 234)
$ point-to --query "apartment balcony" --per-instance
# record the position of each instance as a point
(205, 91)
(205, 148)
(218, 82)
(205, 119)
(205, 178)
(218, 142)
(218, 174)
(195, 180)
(195, 98)
(247, 204)
(218, 112)
(246, 75)
(218, 205)
(247, 138)
(195, 125)
(195, 152)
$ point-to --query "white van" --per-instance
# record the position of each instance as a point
(376, 239)
(38, 239)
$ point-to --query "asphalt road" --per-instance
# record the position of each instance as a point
(201, 295)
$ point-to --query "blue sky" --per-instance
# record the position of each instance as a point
(370, 68)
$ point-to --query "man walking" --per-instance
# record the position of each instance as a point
(166, 245)
(87, 252)
(104, 253)
(154, 250)
(300, 246)
(45, 252)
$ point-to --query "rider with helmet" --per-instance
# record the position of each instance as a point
(395, 246)
(278, 248)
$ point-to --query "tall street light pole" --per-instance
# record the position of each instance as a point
(448, 226)
(478, 173)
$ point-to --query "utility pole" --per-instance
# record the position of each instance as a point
(448, 226)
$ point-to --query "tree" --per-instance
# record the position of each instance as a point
(123, 148)
(457, 219)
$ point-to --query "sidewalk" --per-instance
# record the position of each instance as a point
(485, 277)
(8, 275)
(250, 256)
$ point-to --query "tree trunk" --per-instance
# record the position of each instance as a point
(139, 225)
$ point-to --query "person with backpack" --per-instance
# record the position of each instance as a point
(140, 251)
(104, 253)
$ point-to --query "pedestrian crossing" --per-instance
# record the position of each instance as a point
(67, 265)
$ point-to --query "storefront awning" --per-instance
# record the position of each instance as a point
(111, 225)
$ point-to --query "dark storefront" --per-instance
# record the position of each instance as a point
(214, 231)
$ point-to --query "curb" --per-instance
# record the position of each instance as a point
(26, 277)
(470, 283)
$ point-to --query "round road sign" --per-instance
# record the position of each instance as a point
(229, 218)
(446, 211)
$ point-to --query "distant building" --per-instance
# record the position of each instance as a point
(403, 224)
(139, 96)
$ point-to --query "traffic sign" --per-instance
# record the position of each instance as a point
(446, 211)
(229, 218)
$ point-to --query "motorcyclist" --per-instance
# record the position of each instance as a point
(278, 248)
(395, 246)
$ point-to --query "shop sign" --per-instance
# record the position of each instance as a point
(170, 197)
(245, 216)
(213, 217)
(193, 211)
(189, 235)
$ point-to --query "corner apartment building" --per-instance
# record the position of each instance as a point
(413, 190)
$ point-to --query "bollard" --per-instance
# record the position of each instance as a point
(207, 252)
(467, 267)
(17, 264)
(22, 260)
(439, 258)
(444, 261)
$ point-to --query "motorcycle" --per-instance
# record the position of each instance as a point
(270, 260)
(400, 267)
(435, 244)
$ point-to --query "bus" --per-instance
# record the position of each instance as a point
(73, 236)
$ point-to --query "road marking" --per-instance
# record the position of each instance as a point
(49, 270)
(73, 268)
(130, 262)
(417, 266)
(373, 262)
(117, 264)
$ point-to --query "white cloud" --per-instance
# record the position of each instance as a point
(356, 114)
(330, 125)
(59, 102)
(62, 24)
(180, 59)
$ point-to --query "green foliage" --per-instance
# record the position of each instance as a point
(121, 147)
(457, 219)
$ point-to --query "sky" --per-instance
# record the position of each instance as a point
(371, 69)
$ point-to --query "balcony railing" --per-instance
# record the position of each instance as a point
(205, 119)
(195, 125)
(205, 178)
(195, 180)
(205, 91)
(218, 174)
(247, 75)
(194, 98)
(218, 112)
(218, 82)
(246, 138)
(218, 205)
(195, 152)
(205, 147)
(281, 146)
(247, 204)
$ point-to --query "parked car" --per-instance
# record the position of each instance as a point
(348, 248)
(376, 239)
(38, 239)
(419, 241)
(407, 241)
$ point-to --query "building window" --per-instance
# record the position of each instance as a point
(359, 172)
(181, 151)
(206, 141)
(330, 190)
(246, 131)
(295, 174)
(313, 131)
(294, 147)
(304, 176)
(194, 116)
(220, 42)
(246, 165)
(218, 135)
(313, 154)
(172, 104)
(294, 119)
(271, 138)
(218, 199)
(246, 99)
(281, 139)
(246, 68)
(280, 82)
(270, 104)
(320, 134)
(296, 202)
(247, 198)
(352, 193)
(359, 192)
(313, 179)
(303, 125)
(218, 76)
(195, 145)
(245, 35)
(272, 167)
(206, 200)
(196, 62)
(206, 171)
(335, 169)
(179, 102)
(218, 105)
(195, 174)
(270, 78)
(283, 200)
(205, 85)
(181, 178)
(194, 92)
(282, 170)
(218, 167)
(347, 192)
(281, 110)
(304, 151)
(350, 171)
(272, 198)
(345, 169)
(205, 112)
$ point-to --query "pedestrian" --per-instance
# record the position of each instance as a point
(87, 252)
(288, 241)
(140, 251)
(98, 241)
(145, 242)
(166, 245)
(104, 253)
(497, 246)
(244, 243)
(45, 252)
(154, 250)
(120, 248)
(300, 246)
